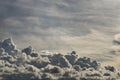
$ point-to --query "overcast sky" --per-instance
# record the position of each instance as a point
(86, 26)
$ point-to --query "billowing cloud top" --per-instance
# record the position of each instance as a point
(26, 64)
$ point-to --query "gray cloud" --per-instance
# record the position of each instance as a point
(22, 65)
(86, 26)
(51, 23)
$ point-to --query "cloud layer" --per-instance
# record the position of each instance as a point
(27, 64)
(85, 26)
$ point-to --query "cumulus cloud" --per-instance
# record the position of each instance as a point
(23, 66)
(87, 27)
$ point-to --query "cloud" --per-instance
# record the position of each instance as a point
(60, 23)
(116, 39)
(87, 27)
(49, 66)
(113, 52)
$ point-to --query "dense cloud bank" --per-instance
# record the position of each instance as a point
(26, 64)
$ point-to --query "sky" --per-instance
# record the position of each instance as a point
(86, 26)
